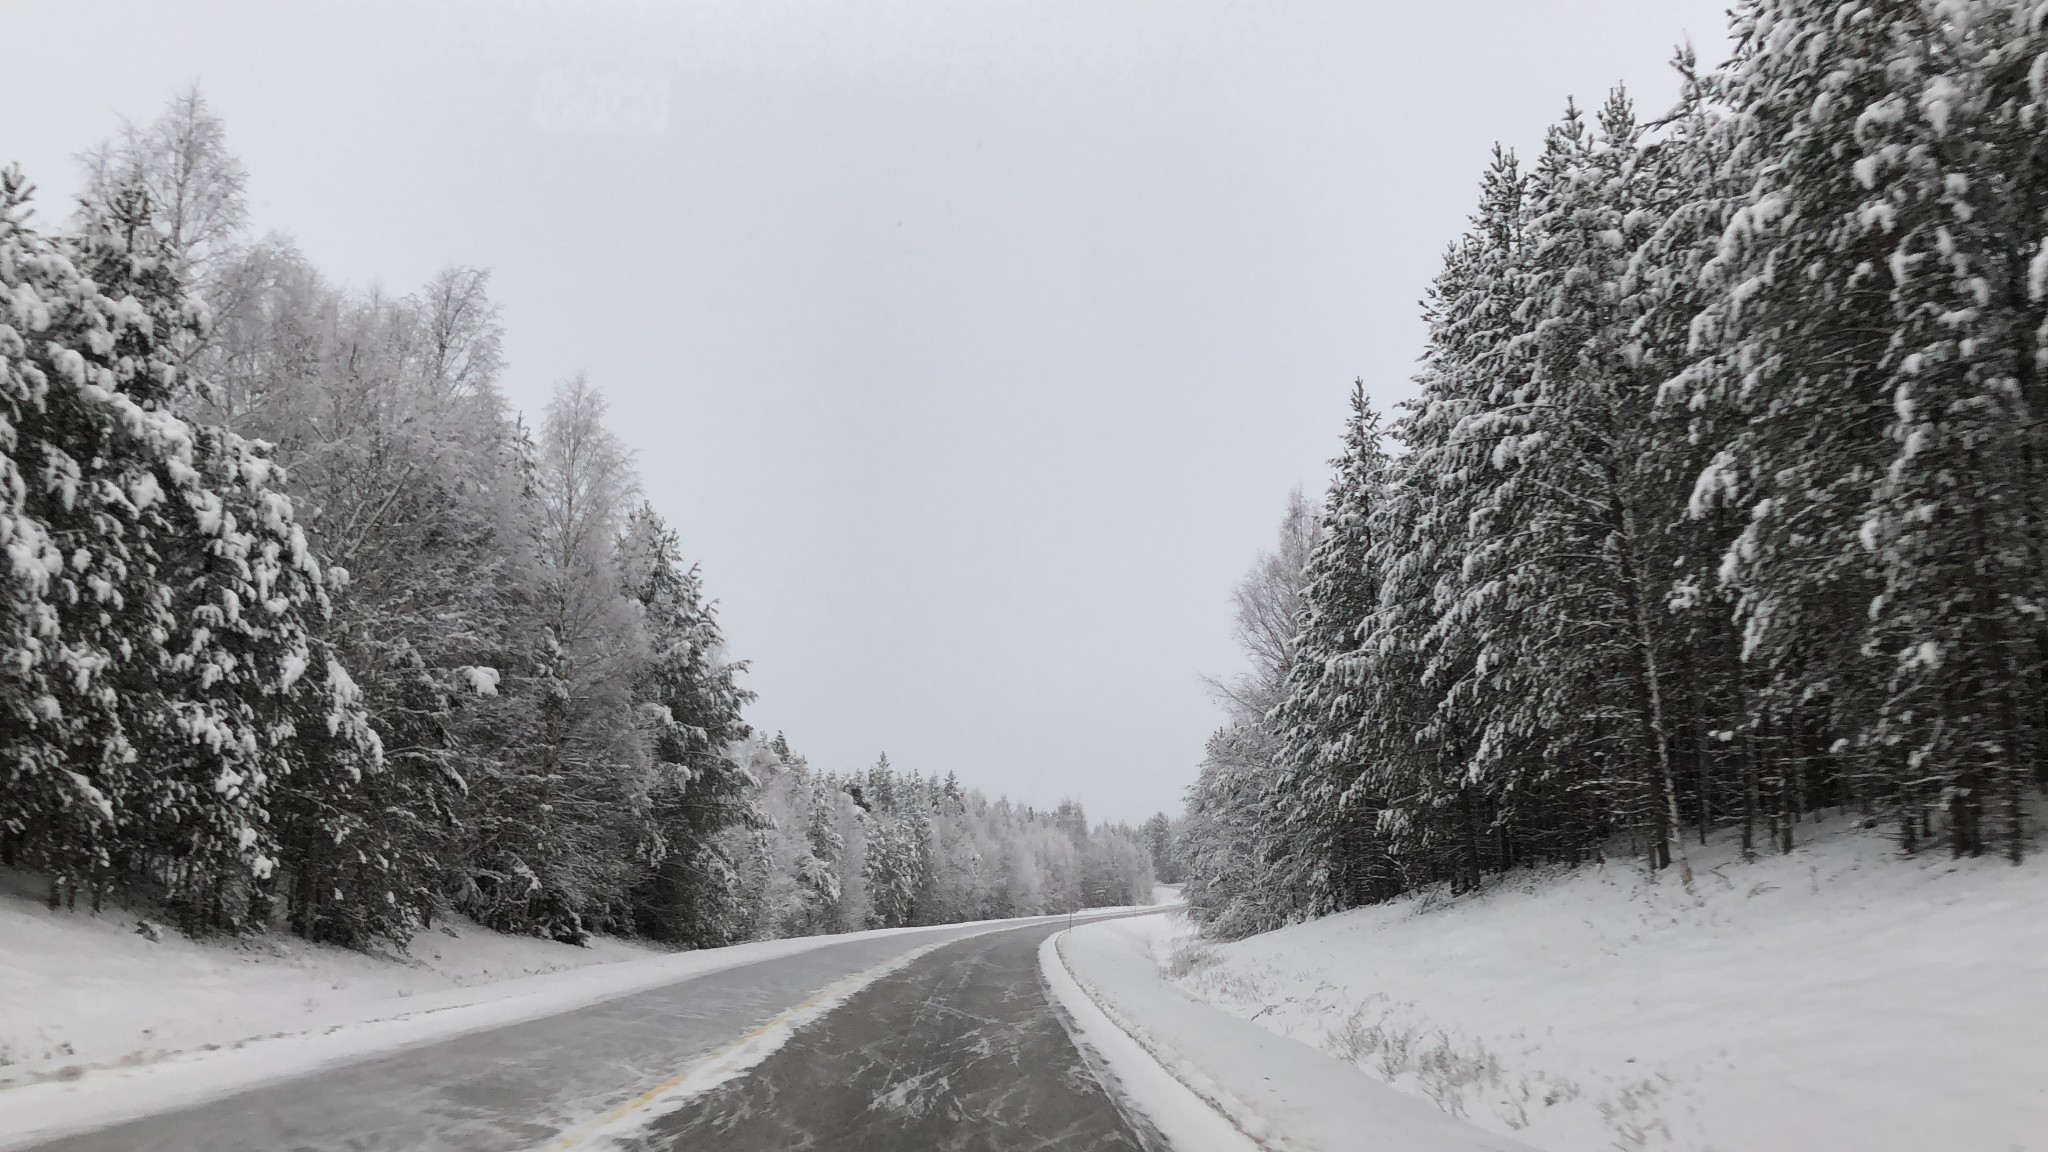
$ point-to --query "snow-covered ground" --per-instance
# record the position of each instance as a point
(80, 992)
(1214, 1082)
(1836, 997)
(1139, 1074)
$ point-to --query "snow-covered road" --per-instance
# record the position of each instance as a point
(946, 1031)
(959, 1050)
(1000, 1036)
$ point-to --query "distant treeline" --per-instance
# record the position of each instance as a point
(301, 625)
(1725, 499)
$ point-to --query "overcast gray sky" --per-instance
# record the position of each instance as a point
(971, 345)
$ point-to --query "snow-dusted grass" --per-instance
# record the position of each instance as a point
(1138, 1073)
(1836, 997)
(1212, 1080)
(80, 992)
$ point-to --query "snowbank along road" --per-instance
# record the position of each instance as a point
(943, 1041)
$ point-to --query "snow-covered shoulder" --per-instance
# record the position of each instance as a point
(1137, 1078)
(1186, 1064)
(1835, 997)
(81, 992)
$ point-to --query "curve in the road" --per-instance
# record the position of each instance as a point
(961, 1051)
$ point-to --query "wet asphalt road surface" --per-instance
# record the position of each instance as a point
(960, 1049)
(959, 1052)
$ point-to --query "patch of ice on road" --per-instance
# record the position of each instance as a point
(914, 1094)
(620, 1126)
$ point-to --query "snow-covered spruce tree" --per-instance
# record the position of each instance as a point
(1696, 186)
(399, 452)
(1422, 664)
(1161, 834)
(1564, 605)
(689, 692)
(1953, 176)
(67, 759)
(818, 876)
(67, 756)
(254, 712)
(798, 843)
(188, 603)
(890, 864)
(1872, 328)
(1332, 858)
(928, 905)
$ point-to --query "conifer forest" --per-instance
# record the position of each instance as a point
(1723, 503)
(303, 628)
(450, 716)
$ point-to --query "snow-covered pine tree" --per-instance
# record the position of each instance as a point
(1330, 857)
(187, 603)
(1877, 587)
(1572, 610)
(1425, 660)
(1159, 832)
(71, 772)
(688, 688)
(1696, 186)
(819, 874)
(1785, 363)
(1951, 169)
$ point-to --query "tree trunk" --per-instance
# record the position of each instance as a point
(1670, 843)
